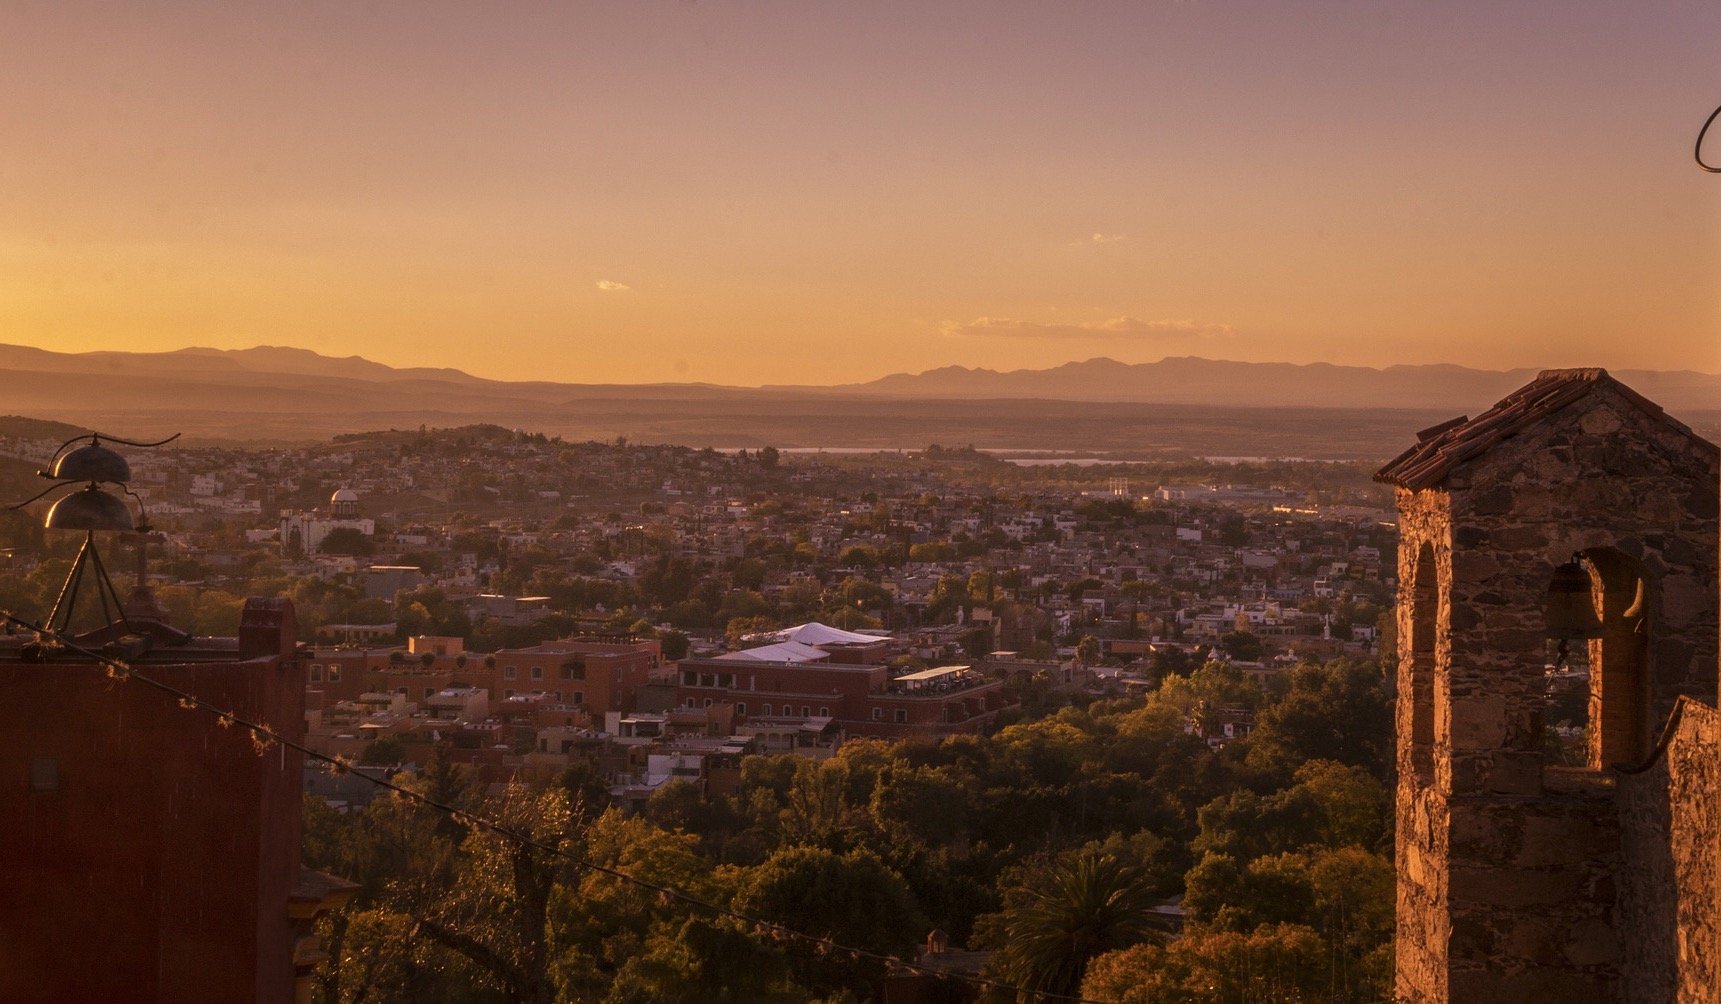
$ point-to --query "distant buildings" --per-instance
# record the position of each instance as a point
(306, 531)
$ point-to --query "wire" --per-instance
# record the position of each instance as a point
(1698, 151)
(262, 735)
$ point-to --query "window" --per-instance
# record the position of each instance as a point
(765, 710)
(1424, 596)
(901, 716)
(740, 708)
(708, 702)
(537, 672)
(689, 702)
(805, 711)
(825, 712)
(507, 672)
(878, 714)
(317, 674)
(334, 674)
(507, 693)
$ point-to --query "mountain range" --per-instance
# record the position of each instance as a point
(291, 394)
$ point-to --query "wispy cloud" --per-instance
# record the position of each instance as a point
(611, 286)
(1099, 238)
(1117, 327)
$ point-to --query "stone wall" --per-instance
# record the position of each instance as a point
(1509, 868)
(1423, 921)
(1670, 898)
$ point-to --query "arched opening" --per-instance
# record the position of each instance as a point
(1619, 660)
(1424, 605)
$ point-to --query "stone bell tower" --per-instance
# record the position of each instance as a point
(1508, 862)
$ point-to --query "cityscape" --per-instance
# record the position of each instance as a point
(947, 502)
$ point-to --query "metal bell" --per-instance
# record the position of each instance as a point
(92, 462)
(89, 509)
(1569, 613)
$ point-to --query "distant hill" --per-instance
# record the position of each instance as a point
(1192, 380)
(1180, 404)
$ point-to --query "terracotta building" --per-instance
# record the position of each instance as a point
(598, 675)
(149, 854)
(862, 699)
(1572, 525)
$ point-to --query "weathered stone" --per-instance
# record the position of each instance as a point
(1519, 882)
(1511, 887)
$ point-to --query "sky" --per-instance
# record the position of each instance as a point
(760, 192)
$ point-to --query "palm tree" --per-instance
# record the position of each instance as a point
(1077, 909)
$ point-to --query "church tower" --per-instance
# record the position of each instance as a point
(1572, 524)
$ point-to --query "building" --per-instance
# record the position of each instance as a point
(598, 674)
(307, 530)
(149, 853)
(862, 699)
(1573, 523)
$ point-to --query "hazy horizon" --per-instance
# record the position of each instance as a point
(804, 194)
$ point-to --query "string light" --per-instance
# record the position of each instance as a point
(262, 737)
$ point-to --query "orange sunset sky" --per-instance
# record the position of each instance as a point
(814, 192)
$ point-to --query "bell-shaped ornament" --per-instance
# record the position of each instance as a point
(92, 462)
(1570, 613)
(89, 509)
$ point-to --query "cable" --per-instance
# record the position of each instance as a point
(1698, 151)
(262, 735)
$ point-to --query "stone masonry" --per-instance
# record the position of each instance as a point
(1519, 879)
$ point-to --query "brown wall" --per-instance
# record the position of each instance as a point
(160, 868)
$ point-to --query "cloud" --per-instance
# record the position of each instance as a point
(611, 286)
(1117, 327)
(1097, 238)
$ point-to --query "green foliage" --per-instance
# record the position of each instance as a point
(1009, 840)
(1283, 964)
(1058, 918)
(1243, 646)
(675, 644)
(384, 751)
(853, 898)
(346, 540)
(1338, 711)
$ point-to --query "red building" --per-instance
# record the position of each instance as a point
(596, 675)
(864, 700)
(149, 853)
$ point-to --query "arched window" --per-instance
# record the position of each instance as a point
(1424, 605)
(1619, 660)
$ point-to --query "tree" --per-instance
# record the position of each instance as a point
(1057, 919)
(1088, 650)
(495, 912)
(852, 898)
(1243, 646)
(1338, 711)
(1284, 964)
(675, 645)
(346, 540)
(383, 751)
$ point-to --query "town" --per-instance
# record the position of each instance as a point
(663, 611)
(945, 675)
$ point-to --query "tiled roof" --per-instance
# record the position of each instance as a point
(1443, 447)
